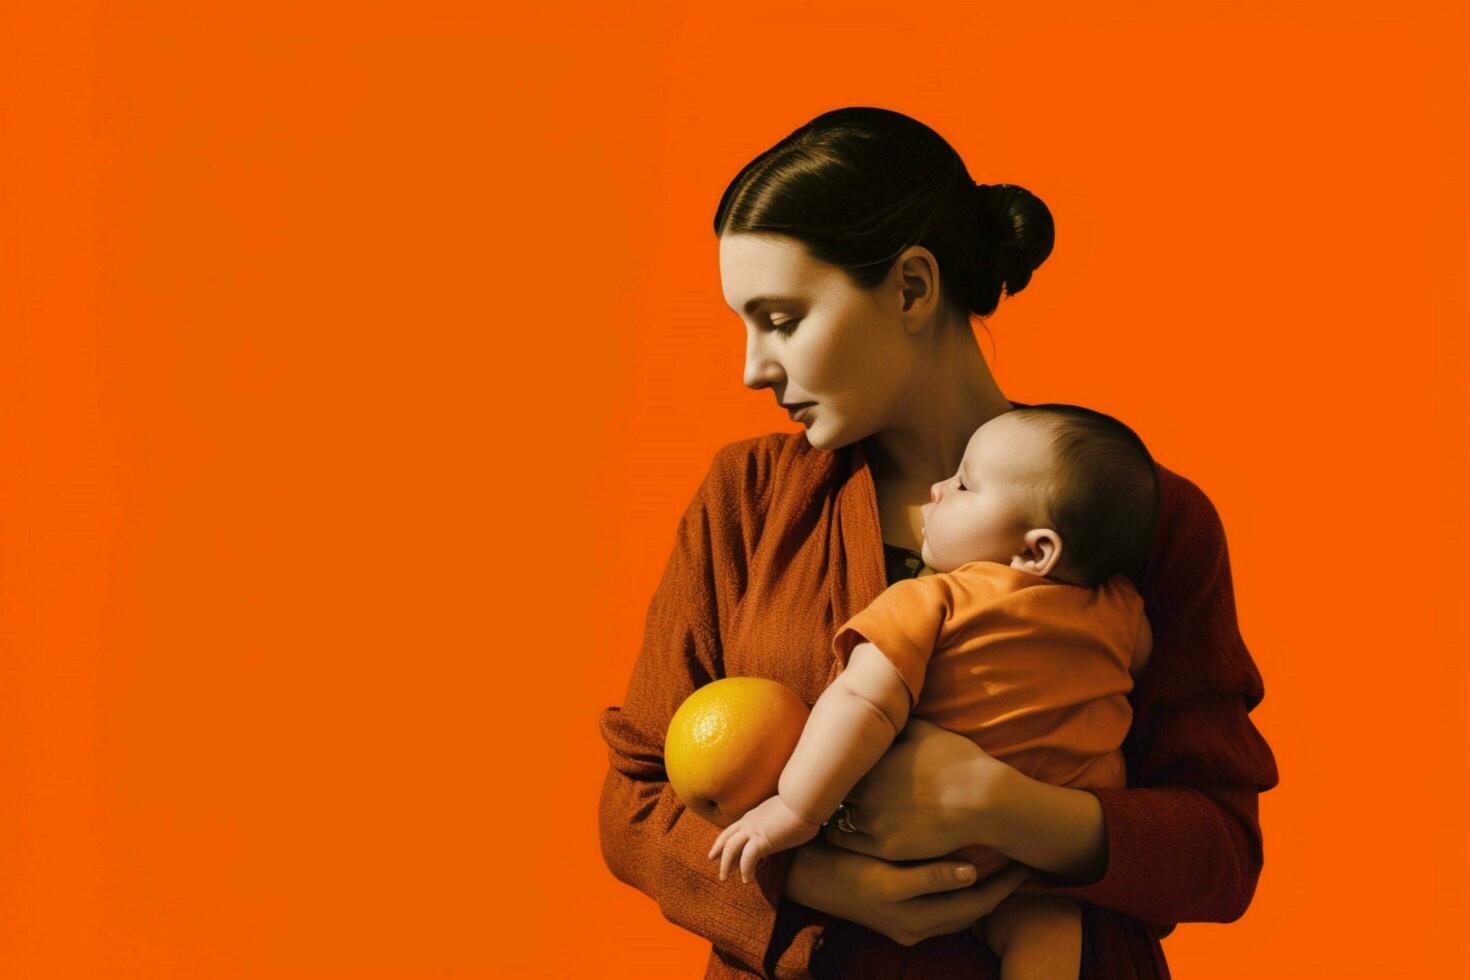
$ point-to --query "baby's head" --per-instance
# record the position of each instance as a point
(1055, 490)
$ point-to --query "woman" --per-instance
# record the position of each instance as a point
(855, 251)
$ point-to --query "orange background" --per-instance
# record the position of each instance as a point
(358, 361)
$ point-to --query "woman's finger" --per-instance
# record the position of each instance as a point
(950, 912)
(995, 889)
(860, 838)
(851, 840)
(912, 881)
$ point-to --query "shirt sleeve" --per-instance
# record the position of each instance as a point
(649, 839)
(905, 623)
(1183, 838)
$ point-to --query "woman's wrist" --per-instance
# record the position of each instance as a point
(1051, 828)
(997, 798)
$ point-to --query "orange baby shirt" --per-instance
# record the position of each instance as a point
(1035, 671)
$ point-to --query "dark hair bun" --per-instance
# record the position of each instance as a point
(1015, 235)
(859, 184)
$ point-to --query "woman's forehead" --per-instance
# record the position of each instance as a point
(753, 267)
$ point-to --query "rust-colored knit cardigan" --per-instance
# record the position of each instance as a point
(780, 545)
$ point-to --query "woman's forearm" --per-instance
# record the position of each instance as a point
(1051, 828)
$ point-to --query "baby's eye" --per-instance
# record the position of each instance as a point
(960, 483)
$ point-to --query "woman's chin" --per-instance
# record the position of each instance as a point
(817, 438)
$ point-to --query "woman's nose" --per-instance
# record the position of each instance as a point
(760, 370)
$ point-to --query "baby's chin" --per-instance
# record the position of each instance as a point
(938, 567)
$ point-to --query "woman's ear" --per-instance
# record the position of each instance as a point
(918, 277)
(1043, 551)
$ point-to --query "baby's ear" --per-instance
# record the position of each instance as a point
(1043, 553)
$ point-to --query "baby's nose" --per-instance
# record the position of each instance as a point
(934, 492)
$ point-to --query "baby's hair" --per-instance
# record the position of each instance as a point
(1103, 500)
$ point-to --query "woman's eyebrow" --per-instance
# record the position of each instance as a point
(751, 304)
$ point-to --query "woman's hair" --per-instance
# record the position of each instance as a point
(1103, 496)
(856, 186)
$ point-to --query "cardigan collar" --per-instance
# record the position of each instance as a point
(861, 534)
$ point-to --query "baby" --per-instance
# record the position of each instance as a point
(1024, 638)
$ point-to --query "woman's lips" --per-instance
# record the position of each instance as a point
(797, 412)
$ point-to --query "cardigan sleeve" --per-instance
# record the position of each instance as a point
(1183, 838)
(649, 839)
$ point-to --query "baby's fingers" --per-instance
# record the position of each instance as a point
(731, 856)
(720, 840)
(754, 851)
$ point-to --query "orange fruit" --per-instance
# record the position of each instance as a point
(728, 742)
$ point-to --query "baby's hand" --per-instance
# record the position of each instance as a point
(765, 829)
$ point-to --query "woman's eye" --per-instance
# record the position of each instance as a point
(786, 326)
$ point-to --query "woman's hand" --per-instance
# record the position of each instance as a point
(907, 903)
(935, 792)
(932, 793)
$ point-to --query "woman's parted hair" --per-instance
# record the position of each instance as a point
(858, 185)
(1104, 499)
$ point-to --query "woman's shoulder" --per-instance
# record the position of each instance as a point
(1191, 600)
(1189, 551)
(1185, 509)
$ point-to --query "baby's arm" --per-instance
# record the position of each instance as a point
(852, 724)
(850, 727)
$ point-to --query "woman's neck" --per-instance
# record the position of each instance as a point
(925, 443)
